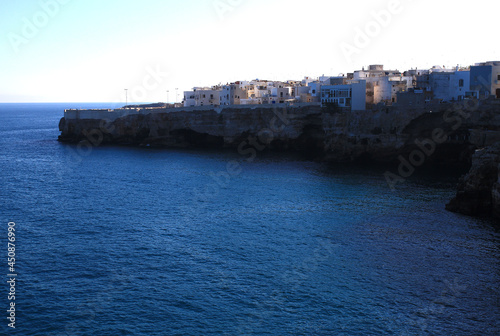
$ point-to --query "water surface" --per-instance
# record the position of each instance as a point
(129, 241)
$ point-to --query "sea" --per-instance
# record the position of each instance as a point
(141, 241)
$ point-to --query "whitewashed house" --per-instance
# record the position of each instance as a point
(351, 95)
(189, 99)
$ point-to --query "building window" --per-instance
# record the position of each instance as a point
(461, 83)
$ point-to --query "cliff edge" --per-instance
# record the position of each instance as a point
(479, 190)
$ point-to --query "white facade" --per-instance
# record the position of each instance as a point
(382, 86)
(189, 99)
(308, 80)
(351, 95)
(386, 89)
(258, 90)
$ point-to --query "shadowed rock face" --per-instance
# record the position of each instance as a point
(479, 191)
(273, 128)
(320, 133)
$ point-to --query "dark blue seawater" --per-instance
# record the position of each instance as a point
(128, 241)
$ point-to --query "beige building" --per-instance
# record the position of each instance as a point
(232, 94)
(202, 97)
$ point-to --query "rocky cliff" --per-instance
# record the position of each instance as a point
(280, 128)
(380, 134)
(479, 190)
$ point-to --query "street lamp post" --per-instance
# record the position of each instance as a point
(126, 97)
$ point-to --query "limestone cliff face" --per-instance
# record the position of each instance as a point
(479, 191)
(323, 133)
(274, 128)
(384, 134)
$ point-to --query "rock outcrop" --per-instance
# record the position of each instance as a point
(479, 190)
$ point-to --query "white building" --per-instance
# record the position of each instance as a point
(383, 86)
(386, 89)
(308, 80)
(315, 89)
(258, 90)
(189, 99)
(351, 95)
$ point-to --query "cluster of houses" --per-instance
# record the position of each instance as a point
(361, 89)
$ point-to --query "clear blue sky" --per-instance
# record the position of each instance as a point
(90, 51)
